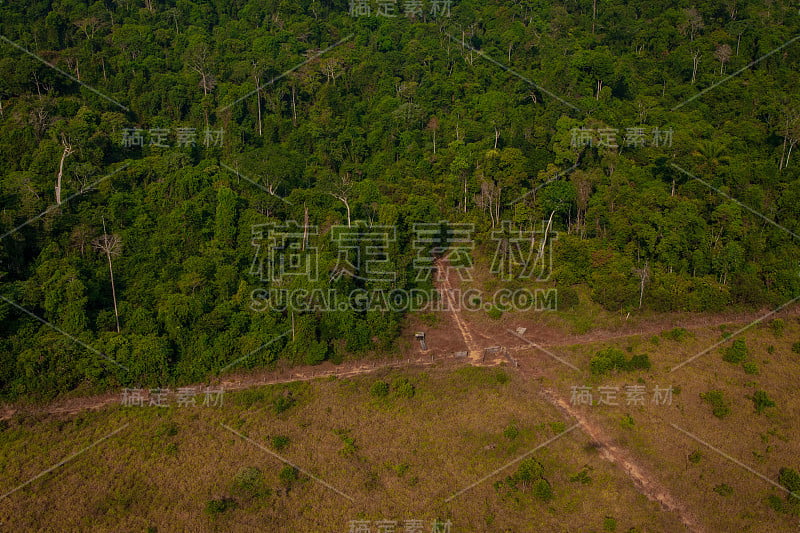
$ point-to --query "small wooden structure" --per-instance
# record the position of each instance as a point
(420, 336)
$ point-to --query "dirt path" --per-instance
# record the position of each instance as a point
(644, 482)
(72, 406)
(547, 336)
(446, 289)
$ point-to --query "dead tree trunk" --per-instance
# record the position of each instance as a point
(110, 245)
(66, 153)
(258, 101)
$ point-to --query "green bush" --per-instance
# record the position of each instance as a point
(403, 388)
(582, 477)
(723, 490)
(627, 422)
(529, 471)
(776, 504)
(316, 352)
(639, 362)
(280, 442)
(607, 360)
(249, 483)
(282, 403)
(695, 457)
(735, 353)
(761, 401)
(796, 347)
(542, 490)
(529, 475)
(379, 389)
(288, 475)
(611, 359)
(349, 449)
(777, 326)
(609, 524)
(676, 334)
(494, 312)
(216, 507)
(249, 397)
(511, 432)
(750, 367)
(716, 399)
(167, 429)
(567, 298)
(790, 479)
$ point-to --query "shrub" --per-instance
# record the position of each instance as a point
(776, 504)
(716, 399)
(494, 312)
(216, 507)
(248, 397)
(567, 298)
(288, 475)
(796, 347)
(761, 401)
(167, 429)
(349, 448)
(609, 524)
(280, 442)
(249, 483)
(607, 360)
(777, 326)
(542, 490)
(736, 352)
(399, 469)
(529, 471)
(316, 352)
(639, 362)
(695, 457)
(611, 359)
(723, 490)
(627, 422)
(511, 432)
(750, 367)
(379, 389)
(582, 477)
(529, 474)
(403, 388)
(677, 334)
(282, 403)
(790, 479)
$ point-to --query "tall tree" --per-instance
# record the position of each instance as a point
(111, 246)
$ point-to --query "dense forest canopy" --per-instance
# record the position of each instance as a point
(145, 140)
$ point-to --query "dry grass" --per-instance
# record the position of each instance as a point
(408, 456)
(764, 442)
